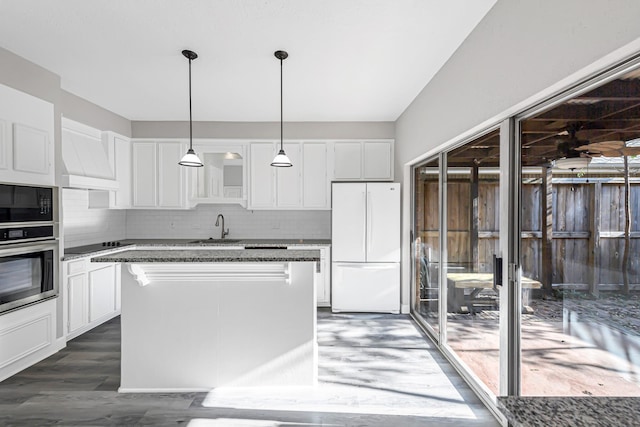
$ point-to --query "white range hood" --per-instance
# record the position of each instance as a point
(88, 158)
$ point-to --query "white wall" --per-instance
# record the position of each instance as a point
(75, 108)
(84, 226)
(242, 223)
(521, 53)
(264, 130)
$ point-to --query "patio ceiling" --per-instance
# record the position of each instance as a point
(608, 112)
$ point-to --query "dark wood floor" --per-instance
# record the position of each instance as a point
(374, 370)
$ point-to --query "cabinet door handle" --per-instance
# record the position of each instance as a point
(369, 221)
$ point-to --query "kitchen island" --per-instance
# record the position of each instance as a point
(198, 318)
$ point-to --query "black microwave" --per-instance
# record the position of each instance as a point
(19, 203)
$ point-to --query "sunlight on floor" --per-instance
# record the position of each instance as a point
(371, 400)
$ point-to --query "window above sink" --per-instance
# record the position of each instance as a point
(223, 177)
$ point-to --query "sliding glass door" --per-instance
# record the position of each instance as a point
(580, 244)
(426, 262)
(456, 290)
(472, 280)
(527, 247)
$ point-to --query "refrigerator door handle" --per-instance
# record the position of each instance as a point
(364, 234)
(369, 222)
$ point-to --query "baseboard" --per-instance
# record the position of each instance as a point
(22, 364)
(163, 390)
(90, 326)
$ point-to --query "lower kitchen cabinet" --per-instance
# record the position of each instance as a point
(92, 294)
(77, 310)
(322, 278)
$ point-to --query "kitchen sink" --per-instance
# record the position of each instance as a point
(216, 241)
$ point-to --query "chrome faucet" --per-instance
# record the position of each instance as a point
(223, 233)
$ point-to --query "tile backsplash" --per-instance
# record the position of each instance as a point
(84, 226)
(242, 223)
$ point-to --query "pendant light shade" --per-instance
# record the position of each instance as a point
(281, 160)
(191, 158)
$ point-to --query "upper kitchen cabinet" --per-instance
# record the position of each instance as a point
(120, 199)
(289, 180)
(305, 185)
(158, 180)
(262, 176)
(363, 160)
(223, 179)
(316, 185)
(26, 138)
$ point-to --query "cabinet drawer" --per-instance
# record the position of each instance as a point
(75, 267)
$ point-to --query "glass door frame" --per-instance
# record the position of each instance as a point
(510, 231)
(435, 335)
(510, 237)
(509, 319)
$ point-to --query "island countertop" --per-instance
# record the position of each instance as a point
(202, 254)
(173, 244)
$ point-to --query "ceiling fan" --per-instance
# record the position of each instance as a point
(575, 153)
(569, 157)
(608, 149)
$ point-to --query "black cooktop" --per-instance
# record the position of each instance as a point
(92, 248)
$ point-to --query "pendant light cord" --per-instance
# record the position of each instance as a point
(281, 114)
(190, 116)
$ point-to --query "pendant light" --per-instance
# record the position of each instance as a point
(191, 158)
(281, 160)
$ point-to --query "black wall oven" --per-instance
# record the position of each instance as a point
(28, 248)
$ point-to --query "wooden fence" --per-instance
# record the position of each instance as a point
(572, 232)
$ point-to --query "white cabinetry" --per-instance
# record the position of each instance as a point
(347, 162)
(171, 182)
(316, 185)
(158, 180)
(77, 297)
(92, 294)
(102, 292)
(363, 160)
(145, 174)
(322, 276)
(26, 138)
(120, 199)
(305, 185)
(288, 180)
(30, 149)
(262, 176)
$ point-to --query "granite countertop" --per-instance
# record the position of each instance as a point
(200, 254)
(128, 244)
(541, 411)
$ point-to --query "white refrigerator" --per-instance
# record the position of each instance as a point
(365, 244)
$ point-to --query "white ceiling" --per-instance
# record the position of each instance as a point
(349, 60)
